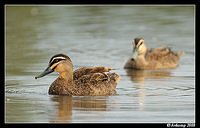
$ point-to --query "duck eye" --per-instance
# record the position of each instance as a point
(56, 60)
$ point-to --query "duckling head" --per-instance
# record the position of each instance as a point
(139, 48)
(58, 63)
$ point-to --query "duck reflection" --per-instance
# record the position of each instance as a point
(89, 103)
(64, 109)
(141, 98)
(139, 76)
(81, 103)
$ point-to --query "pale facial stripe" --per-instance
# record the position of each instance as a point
(53, 62)
(139, 43)
(57, 58)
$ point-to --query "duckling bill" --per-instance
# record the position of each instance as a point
(158, 58)
(86, 81)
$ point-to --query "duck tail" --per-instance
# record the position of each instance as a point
(114, 76)
(117, 78)
(113, 69)
(180, 53)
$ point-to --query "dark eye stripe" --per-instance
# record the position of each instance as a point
(54, 67)
(55, 61)
(140, 44)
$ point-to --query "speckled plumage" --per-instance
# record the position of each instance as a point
(158, 58)
(87, 85)
(86, 81)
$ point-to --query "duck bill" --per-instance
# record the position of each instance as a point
(47, 71)
(135, 53)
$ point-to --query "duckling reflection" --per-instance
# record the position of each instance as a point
(68, 103)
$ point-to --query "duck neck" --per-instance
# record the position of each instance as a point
(67, 76)
(141, 57)
(141, 60)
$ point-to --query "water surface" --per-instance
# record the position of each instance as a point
(98, 36)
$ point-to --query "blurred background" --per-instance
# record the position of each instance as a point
(98, 36)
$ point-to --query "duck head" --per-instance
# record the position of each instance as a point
(139, 48)
(58, 63)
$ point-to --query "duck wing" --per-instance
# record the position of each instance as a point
(97, 83)
(162, 57)
(89, 70)
(162, 53)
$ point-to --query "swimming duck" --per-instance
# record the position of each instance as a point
(158, 58)
(86, 81)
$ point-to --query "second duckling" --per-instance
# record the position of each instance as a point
(158, 58)
(86, 81)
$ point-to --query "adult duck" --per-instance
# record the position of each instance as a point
(157, 58)
(86, 81)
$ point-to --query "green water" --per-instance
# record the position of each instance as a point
(98, 36)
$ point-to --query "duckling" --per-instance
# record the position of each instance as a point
(86, 81)
(158, 58)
